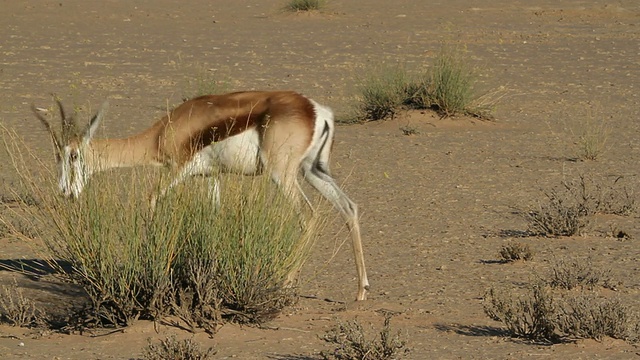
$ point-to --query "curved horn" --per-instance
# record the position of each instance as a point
(54, 138)
(69, 126)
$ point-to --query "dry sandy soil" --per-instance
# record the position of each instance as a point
(436, 206)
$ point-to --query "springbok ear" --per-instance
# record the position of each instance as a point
(95, 121)
(54, 138)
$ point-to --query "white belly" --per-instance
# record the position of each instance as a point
(238, 154)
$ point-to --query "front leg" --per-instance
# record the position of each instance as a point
(199, 165)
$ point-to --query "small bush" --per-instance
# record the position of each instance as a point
(515, 251)
(383, 92)
(551, 310)
(174, 349)
(557, 217)
(530, 315)
(576, 273)
(599, 197)
(568, 206)
(451, 83)
(352, 344)
(18, 310)
(446, 87)
(593, 137)
(203, 83)
(304, 5)
(588, 316)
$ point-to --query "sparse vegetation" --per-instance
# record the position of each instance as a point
(551, 312)
(567, 207)
(171, 348)
(446, 87)
(409, 130)
(574, 273)
(515, 251)
(204, 82)
(530, 315)
(593, 137)
(450, 84)
(18, 310)
(304, 5)
(383, 92)
(558, 216)
(588, 316)
(352, 343)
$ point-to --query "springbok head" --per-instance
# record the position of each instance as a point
(72, 149)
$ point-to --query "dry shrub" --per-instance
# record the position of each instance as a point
(593, 137)
(571, 274)
(304, 5)
(542, 312)
(589, 316)
(566, 209)
(515, 251)
(352, 343)
(18, 310)
(529, 315)
(557, 216)
(171, 348)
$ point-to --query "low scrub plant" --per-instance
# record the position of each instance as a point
(557, 216)
(593, 137)
(515, 251)
(589, 316)
(18, 310)
(530, 315)
(575, 273)
(203, 83)
(567, 207)
(304, 5)
(383, 91)
(351, 342)
(171, 348)
(187, 256)
(543, 311)
(447, 87)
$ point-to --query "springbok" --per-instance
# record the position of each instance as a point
(282, 132)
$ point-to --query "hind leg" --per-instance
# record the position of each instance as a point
(320, 179)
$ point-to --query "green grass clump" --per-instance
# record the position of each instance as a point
(383, 93)
(304, 5)
(447, 87)
(450, 86)
(203, 82)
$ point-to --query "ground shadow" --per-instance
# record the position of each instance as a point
(488, 331)
(291, 357)
(35, 268)
(472, 330)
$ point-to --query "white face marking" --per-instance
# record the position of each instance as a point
(73, 175)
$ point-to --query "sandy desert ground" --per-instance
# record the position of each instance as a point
(436, 206)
